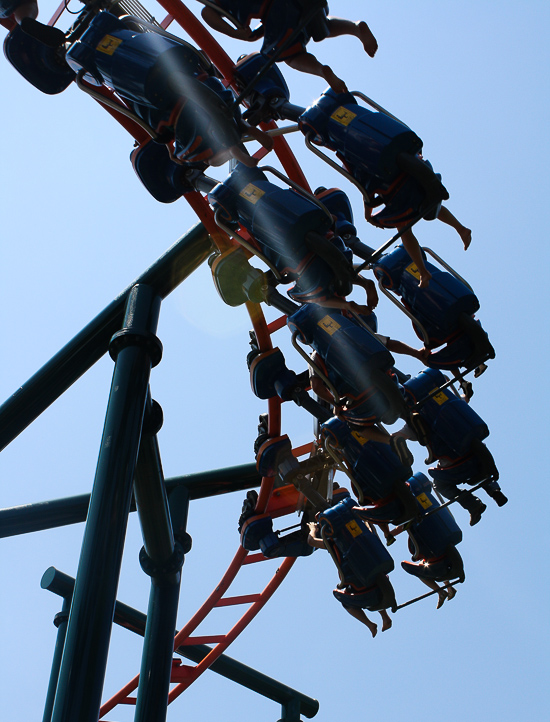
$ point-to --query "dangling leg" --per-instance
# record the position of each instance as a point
(447, 217)
(388, 536)
(465, 385)
(360, 615)
(339, 26)
(308, 63)
(466, 499)
(370, 290)
(492, 488)
(386, 620)
(406, 432)
(451, 591)
(412, 247)
(433, 187)
(442, 594)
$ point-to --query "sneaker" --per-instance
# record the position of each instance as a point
(263, 436)
(499, 497)
(468, 390)
(475, 515)
(249, 507)
(479, 370)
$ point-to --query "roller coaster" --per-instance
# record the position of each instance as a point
(189, 109)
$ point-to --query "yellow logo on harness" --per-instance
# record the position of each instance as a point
(424, 501)
(343, 115)
(108, 44)
(359, 437)
(329, 325)
(252, 193)
(440, 398)
(354, 528)
(413, 270)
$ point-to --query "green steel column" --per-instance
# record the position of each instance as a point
(135, 349)
(158, 648)
(161, 558)
(291, 711)
(60, 622)
(150, 491)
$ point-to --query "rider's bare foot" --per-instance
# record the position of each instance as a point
(373, 628)
(367, 38)
(336, 83)
(466, 235)
(386, 620)
(442, 596)
(451, 592)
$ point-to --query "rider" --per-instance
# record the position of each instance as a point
(383, 156)
(361, 559)
(279, 21)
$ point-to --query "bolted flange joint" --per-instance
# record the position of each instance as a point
(59, 618)
(172, 565)
(130, 337)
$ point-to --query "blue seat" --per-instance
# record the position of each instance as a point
(370, 144)
(452, 425)
(471, 469)
(337, 202)
(357, 363)
(289, 230)
(361, 558)
(160, 174)
(378, 476)
(42, 66)
(269, 374)
(445, 309)
(454, 434)
(271, 453)
(268, 93)
(271, 85)
(367, 141)
(433, 538)
(257, 534)
(167, 82)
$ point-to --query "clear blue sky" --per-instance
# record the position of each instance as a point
(77, 227)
